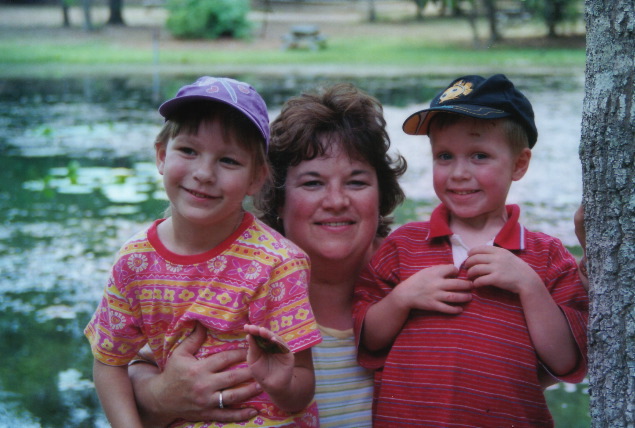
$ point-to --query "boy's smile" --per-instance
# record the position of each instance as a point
(473, 168)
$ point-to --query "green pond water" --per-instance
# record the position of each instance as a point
(77, 178)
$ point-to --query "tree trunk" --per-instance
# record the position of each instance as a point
(116, 16)
(607, 152)
(88, 22)
(490, 12)
(65, 16)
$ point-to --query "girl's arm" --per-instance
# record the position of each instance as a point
(288, 378)
(116, 396)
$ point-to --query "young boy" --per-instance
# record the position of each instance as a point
(461, 315)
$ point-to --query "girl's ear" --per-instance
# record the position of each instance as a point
(160, 149)
(259, 177)
(521, 164)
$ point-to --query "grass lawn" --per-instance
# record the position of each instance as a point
(395, 45)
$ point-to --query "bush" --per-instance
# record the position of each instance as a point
(208, 19)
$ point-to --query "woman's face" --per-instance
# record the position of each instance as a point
(331, 206)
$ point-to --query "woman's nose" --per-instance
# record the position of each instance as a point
(336, 198)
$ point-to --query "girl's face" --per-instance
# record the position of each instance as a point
(207, 177)
(473, 168)
(331, 206)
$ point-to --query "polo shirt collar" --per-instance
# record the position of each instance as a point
(511, 236)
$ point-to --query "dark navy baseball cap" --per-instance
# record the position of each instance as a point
(239, 95)
(483, 98)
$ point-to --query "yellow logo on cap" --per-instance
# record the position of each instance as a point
(459, 88)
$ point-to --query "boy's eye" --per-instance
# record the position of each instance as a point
(444, 156)
(187, 150)
(480, 156)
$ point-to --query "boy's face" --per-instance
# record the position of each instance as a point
(473, 168)
(206, 177)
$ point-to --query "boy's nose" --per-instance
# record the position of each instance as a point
(460, 170)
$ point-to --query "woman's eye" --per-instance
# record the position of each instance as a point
(311, 183)
(358, 183)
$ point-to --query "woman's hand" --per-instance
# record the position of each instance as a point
(189, 388)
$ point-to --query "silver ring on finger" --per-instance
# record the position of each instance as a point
(220, 399)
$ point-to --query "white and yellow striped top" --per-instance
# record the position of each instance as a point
(344, 390)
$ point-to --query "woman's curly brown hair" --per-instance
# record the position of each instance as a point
(310, 124)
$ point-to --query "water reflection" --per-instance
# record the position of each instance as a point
(78, 178)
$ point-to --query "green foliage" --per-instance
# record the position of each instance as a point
(208, 19)
(554, 12)
(569, 405)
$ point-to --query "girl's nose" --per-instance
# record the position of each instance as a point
(204, 173)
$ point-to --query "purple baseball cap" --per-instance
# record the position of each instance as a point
(239, 95)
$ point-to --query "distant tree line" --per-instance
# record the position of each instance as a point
(216, 18)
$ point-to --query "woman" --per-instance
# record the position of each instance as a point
(334, 184)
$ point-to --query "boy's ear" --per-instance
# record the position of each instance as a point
(159, 149)
(521, 164)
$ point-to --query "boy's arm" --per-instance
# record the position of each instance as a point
(288, 378)
(116, 396)
(548, 327)
(434, 289)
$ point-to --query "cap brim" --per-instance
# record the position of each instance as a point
(418, 123)
(168, 108)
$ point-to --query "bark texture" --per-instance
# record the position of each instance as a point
(607, 152)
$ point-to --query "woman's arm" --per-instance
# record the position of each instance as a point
(189, 388)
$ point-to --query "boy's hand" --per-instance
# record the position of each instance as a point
(272, 370)
(489, 265)
(435, 289)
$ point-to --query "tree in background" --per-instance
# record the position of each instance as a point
(607, 153)
(116, 16)
(208, 19)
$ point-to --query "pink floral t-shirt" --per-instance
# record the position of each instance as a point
(154, 296)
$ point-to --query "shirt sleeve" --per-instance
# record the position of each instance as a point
(282, 305)
(566, 289)
(113, 332)
(376, 282)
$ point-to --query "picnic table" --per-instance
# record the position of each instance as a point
(304, 36)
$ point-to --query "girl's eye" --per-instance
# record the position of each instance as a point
(229, 161)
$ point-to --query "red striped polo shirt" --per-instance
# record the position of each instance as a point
(479, 368)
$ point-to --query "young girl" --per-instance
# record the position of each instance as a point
(210, 262)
